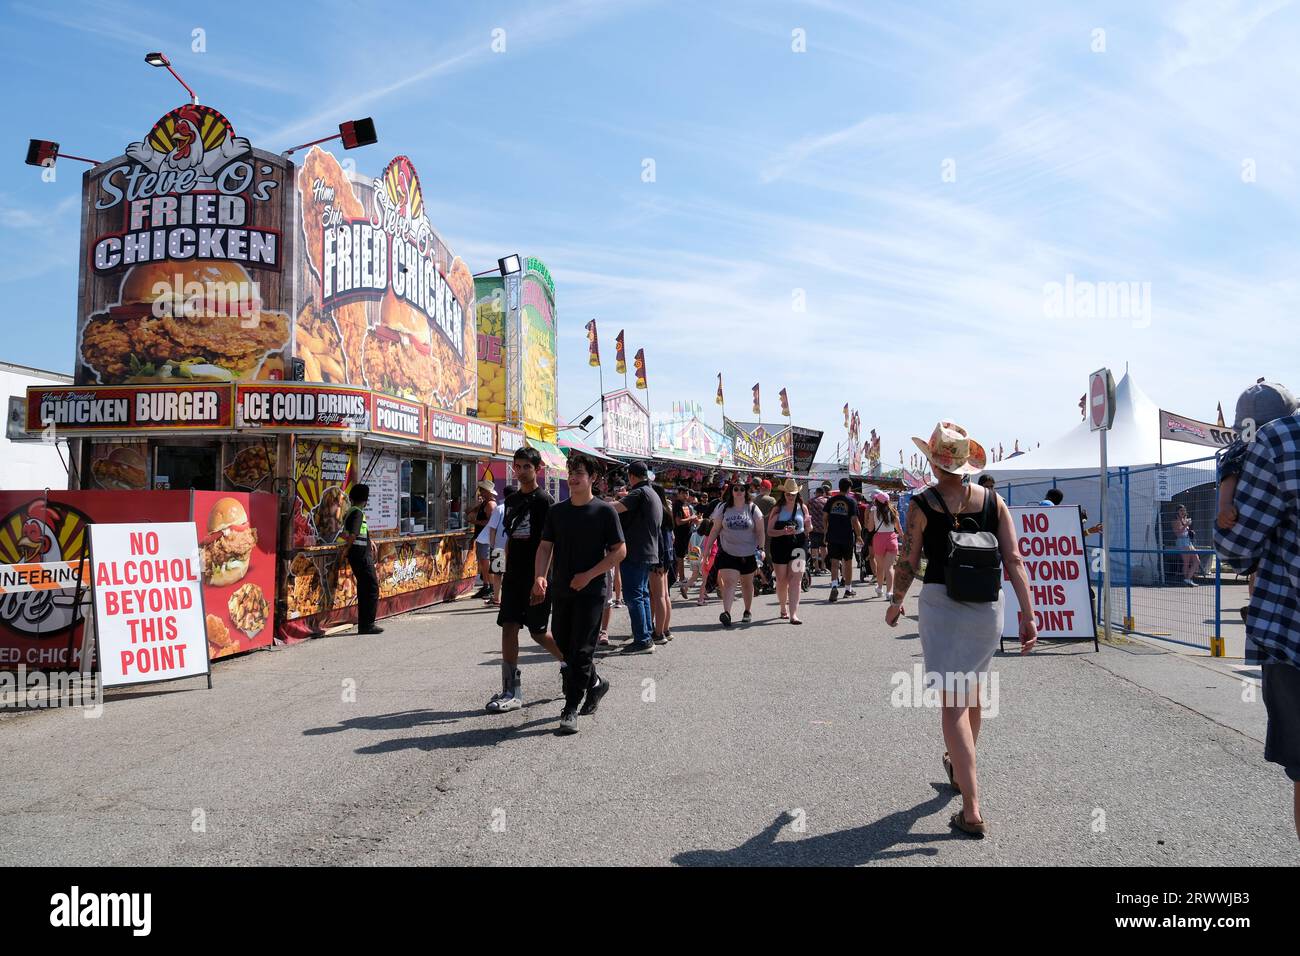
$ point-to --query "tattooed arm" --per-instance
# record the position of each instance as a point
(910, 560)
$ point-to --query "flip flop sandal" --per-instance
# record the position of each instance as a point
(978, 830)
(947, 765)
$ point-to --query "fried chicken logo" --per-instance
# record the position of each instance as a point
(403, 188)
(190, 137)
(38, 533)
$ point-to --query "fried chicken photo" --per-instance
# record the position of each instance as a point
(221, 336)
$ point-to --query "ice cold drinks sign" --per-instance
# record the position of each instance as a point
(148, 591)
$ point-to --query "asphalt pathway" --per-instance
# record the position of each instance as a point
(766, 744)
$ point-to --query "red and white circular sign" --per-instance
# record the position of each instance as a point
(1099, 401)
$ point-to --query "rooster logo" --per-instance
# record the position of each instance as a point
(190, 137)
(38, 532)
(38, 541)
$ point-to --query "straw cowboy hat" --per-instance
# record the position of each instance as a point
(488, 486)
(951, 449)
(791, 486)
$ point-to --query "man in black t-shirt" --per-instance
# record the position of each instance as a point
(582, 540)
(521, 528)
(842, 529)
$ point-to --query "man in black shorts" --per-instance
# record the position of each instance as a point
(582, 540)
(843, 530)
(684, 522)
(522, 523)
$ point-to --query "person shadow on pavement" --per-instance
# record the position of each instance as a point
(412, 719)
(873, 841)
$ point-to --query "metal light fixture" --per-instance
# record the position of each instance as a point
(160, 59)
(44, 152)
(353, 133)
(509, 265)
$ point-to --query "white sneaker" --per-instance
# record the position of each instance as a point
(500, 704)
(880, 590)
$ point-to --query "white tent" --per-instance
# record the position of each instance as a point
(1144, 471)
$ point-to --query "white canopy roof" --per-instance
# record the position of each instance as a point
(1134, 441)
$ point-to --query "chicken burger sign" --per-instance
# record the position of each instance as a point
(183, 254)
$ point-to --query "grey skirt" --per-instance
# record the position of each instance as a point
(957, 637)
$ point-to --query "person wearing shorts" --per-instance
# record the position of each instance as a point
(843, 530)
(786, 526)
(487, 507)
(522, 521)
(882, 518)
(738, 527)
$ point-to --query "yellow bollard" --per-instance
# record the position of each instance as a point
(1216, 647)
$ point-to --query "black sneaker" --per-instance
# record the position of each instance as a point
(594, 696)
(371, 630)
(747, 617)
(659, 639)
(636, 647)
(725, 618)
(568, 722)
(835, 593)
(668, 634)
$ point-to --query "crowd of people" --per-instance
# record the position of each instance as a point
(561, 569)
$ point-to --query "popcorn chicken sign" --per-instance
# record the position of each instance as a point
(147, 581)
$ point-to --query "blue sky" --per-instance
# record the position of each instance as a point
(1163, 151)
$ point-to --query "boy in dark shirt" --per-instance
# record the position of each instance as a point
(521, 529)
(582, 540)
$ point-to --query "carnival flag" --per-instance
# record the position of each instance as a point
(846, 414)
(593, 344)
(756, 405)
(718, 398)
(638, 361)
(785, 404)
(620, 355)
(1222, 423)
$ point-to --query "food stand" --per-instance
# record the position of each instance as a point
(271, 335)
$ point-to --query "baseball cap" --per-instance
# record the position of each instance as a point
(765, 485)
(1262, 403)
(638, 469)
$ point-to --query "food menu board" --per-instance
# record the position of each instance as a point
(384, 478)
(323, 474)
(237, 545)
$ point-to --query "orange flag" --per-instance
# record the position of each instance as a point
(620, 355)
(785, 404)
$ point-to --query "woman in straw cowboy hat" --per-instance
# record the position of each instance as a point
(958, 638)
(787, 527)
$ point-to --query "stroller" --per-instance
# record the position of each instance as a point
(864, 564)
(765, 577)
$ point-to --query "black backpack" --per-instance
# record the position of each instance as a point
(973, 571)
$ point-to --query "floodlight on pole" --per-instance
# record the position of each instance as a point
(353, 133)
(160, 59)
(44, 152)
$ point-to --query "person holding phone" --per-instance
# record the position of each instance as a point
(787, 525)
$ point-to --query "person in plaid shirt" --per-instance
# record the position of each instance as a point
(1266, 535)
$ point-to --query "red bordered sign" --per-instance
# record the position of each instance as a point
(461, 432)
(295, 407)
(70, 409)
(398, 417)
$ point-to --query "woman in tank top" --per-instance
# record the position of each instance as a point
(738, 528)
(787, 527)
(958, 638)
(882, 521)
